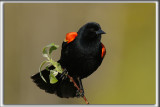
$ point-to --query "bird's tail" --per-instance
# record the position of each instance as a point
(63, 88)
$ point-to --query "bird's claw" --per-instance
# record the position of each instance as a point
(80, 93)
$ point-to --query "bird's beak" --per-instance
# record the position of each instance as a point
(100, 32)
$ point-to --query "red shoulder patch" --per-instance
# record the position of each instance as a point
(71, 36)
(103, 51)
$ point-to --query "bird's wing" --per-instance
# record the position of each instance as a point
(70, 36)
(103, 51)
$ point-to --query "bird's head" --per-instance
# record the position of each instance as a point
(91, 30)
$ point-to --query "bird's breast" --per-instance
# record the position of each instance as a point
(84, 61)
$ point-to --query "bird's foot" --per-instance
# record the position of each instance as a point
(64, 74)
(80, 93)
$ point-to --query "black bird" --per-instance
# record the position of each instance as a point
(82, 53)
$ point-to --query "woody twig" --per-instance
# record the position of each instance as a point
(85, 99)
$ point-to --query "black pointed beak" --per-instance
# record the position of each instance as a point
(100, 32)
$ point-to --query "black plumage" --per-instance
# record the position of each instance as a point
(80, 57)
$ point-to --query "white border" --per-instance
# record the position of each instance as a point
(79, 2)
(1, 54)
(157, 52)
(1, 38)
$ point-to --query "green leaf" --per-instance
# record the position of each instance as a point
(47, 68)
(40, 70)
(45, 55)
(54, 72)
(54, 47)
(53, 79)
(45, 52)
(52, 44)
(59, 68)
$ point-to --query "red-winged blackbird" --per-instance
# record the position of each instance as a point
(82, 53)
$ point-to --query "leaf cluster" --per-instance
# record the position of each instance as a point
(47, 51)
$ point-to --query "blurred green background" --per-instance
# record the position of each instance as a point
(127, 74)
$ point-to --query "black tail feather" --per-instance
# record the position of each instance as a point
(63, 88)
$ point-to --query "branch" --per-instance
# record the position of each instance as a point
(77, 88)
